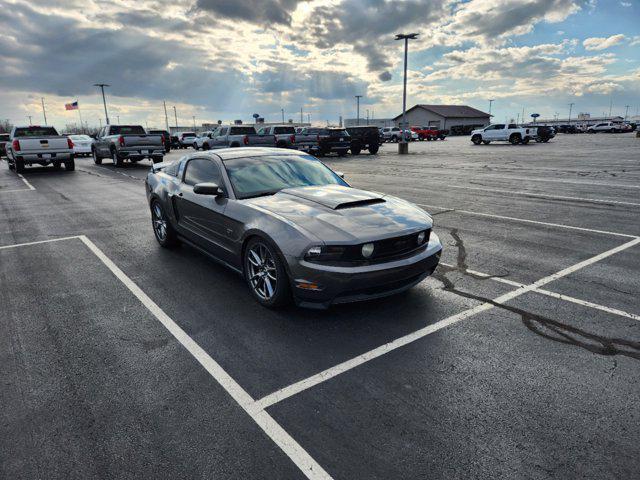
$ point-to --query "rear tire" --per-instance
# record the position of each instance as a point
(524, 141)
(355, 150)
(486, 142)
(342, 153)
(19, 166)
(96, 159)
(10, 165)
(373, 149)
(205, 146)
(70, 165)
(56, 165)
(117, 161)
(476, 139)
(157, 159)
(262, 260)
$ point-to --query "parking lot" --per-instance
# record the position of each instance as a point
(517, 359)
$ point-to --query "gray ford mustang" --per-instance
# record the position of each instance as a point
(291, 226)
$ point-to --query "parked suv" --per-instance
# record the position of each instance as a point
(166, 137)
(322, 141)
(608, 127)
(391, 134)
(364, 138)
(504, 133)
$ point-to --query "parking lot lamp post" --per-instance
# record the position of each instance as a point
(44, 111)
(175, 114)
(104, 101)
(403, 146)
(194, 122)
(166, 118)
(570, 108)
(358, 97)
(626, 112)
(29, 119)
(282, 110)
(490, 103)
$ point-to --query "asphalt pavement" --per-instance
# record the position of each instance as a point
(519, 358)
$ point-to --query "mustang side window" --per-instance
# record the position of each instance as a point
(200, 170)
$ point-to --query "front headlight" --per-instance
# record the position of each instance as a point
(421, 237)
(324, 253)
(367, 250)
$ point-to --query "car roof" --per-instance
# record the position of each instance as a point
(244, 152)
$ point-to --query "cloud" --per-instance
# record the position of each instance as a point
(602, 43)
(253, 11)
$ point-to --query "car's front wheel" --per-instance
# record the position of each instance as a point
(265, 274)
(162, 229)
(96, 159)
(476, 139)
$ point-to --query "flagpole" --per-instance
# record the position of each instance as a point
(80, 115)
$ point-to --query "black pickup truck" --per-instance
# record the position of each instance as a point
(364, 138)
(323, 141)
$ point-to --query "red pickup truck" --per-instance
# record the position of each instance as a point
(429, 133)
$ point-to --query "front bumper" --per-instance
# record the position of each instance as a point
(353, 284)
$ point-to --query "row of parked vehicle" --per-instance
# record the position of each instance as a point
(512, 133)
(394, 134)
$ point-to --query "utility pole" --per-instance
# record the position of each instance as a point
(626, 112)
(403, 146)
(610, 106)
(358, 97)
(118, 119)
(309, 118)
(490, 103)
(44, 112)
(104, 101)
(518, 118)
(175, 114)
(367, 116)
(522, 115)
(570, 108)
(194, 122)
(282, 111)
(29, 119)
(166, 118)
(301, 117)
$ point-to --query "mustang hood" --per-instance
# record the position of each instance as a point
(341, 214)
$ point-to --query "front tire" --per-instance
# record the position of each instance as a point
(117, 161)
(515, 139)
(265, 274)
(373, 149)
(162, 229)
(96, 159)
(157, 159)
(476, 139)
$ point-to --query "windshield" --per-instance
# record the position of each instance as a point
(35, 132)
(257, 176)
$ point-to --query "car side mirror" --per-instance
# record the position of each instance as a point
(207, 188)
(340, 174)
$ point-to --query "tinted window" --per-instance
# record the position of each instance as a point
(36, 132)
(317, 131)
(499, 127)
(201, 170)
(338, 133)
(283, 130)
(256, 176)
(513, 125)
(126, 130)
(188, 134)
(4, 137)
(222, 132)
(242, 131)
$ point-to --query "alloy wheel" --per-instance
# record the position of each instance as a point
(262, 272)
(159, 223)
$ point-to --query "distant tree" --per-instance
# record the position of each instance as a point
(5, 126)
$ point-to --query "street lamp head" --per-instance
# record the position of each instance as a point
(101, 85)
(410, 36)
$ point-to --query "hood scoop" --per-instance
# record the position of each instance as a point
(335, 197)
(360, 203)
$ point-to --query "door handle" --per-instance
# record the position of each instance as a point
(180, 194)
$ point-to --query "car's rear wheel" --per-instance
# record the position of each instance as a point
(265, 274)
(70, 165)
(19, 166)
(157, 159)
(56, 165)
(486, 142)
(205, 146)
(162, 229)
(96, 159)
(525, 140)
(342, 153)
(373, 149)
(195, 146)
(11, 165)
(476, 139)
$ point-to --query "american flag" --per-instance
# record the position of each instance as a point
(71, 106)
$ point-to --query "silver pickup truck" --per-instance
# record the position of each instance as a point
(285, 135)
(122, 142)
(239, 136)
(35, 145)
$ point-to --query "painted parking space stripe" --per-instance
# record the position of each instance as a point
(545, 195)
(524, 220)
(26, 182)
(280, 437)
(343, 367)
(549, 293)
(38, 242)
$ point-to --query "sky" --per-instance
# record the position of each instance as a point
(228, 59)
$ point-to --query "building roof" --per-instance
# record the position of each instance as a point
(451, 111)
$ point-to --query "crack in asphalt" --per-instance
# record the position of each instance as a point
(541, 325)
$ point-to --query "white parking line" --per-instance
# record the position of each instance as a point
(545, 195)
(4, 247)
(331, 372)
(26, 182)
(524, 220)
(289, 446)
(549, 293)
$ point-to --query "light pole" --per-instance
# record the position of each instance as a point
(118, 118)
(166, 119)
(490, 103)
(570, 108)
(194, 122)
(29, 119)
(626, 112)
(358, 97)
(44, 112)
(610, 107)
(367, 116)
(175, 114)
(403, 146)
(104, 101)
(282, 110)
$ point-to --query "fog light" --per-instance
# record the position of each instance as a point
(421, 237)
(314, 251)
(367, 250)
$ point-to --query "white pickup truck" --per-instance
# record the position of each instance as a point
(35, 145)
(504, 133)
